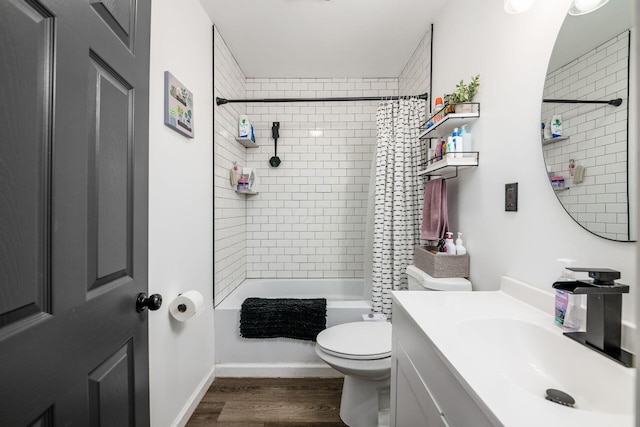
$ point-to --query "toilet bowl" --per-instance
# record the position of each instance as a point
(362, 352)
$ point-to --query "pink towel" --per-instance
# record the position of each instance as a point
(435, 218)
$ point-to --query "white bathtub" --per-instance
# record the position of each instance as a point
(281, 357)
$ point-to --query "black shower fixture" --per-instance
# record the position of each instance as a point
(275, 160)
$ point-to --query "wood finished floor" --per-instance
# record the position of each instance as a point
(270, 402)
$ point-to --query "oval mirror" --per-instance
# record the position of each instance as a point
(586, 121)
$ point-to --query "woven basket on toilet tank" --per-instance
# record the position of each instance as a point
(440, 265)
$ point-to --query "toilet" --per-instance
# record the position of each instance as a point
(421, 281)
(362, 352)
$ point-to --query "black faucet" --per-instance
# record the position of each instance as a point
(604, 312)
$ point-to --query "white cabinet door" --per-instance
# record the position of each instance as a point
(414, 405)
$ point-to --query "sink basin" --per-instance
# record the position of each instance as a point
(536, 359)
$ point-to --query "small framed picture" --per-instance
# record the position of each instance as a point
(511, 197)
(178, 106)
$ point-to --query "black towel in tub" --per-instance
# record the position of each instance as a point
(301, 319)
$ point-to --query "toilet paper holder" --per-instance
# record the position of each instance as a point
(186, 305)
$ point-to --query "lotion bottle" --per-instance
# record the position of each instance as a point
(460, 250)
(450, 247)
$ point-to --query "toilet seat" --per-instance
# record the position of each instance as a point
(357, 340)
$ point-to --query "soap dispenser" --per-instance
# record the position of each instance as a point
(450, 247)
(460, 250)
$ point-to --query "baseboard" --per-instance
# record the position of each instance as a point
(193, 402)
(276, 370)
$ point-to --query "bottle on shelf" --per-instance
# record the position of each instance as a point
(457, 143)
(467, 139)
(438, 106)
(460, 249)
(449, 246)
(244, 127)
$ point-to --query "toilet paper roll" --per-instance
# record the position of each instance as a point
(186, 305)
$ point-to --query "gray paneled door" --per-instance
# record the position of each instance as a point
(74, 77)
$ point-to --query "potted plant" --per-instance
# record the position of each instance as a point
(180, 113)
(464, 95)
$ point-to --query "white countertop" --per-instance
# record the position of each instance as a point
(506, 353)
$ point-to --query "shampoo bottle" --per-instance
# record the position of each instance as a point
(244, 127)
(457, 143)
(450, 247)
(556, 126)
(460, 250)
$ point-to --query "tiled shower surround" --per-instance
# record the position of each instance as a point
(309, 218)
(597, 137)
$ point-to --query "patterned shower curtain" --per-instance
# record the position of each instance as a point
(399, 196)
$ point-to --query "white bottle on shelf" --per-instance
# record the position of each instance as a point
(457, 142)
(467, 140)
(449, 246)
(460, 250)
(244, 127)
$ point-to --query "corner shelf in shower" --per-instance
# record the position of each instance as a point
(546, 141)
(250, 193)
(448, 164)
(247, 142)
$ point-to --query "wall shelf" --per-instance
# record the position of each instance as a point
(449, 164)
(247, 142)
(445, 126)
(250, 193)
(552, 140)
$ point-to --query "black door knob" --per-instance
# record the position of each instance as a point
(152, 302)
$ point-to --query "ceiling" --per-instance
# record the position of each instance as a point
(322, 38)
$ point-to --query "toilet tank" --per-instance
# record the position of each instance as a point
(420, 280)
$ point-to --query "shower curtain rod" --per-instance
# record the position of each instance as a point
(220, 101)
(615, 102)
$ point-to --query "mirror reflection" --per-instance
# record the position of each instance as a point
(586, 121)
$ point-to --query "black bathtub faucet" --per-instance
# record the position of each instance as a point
(604, 312)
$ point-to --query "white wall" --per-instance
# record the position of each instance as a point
(511, 53)
(180, 212)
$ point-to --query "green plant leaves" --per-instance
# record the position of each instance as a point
(466, 92)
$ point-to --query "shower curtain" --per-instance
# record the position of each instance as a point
(399, 196)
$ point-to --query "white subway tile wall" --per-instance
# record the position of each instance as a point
(309, 219)
(414, 79)
(597, 137)
(229, 206)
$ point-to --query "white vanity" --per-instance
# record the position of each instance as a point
(475, 359)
